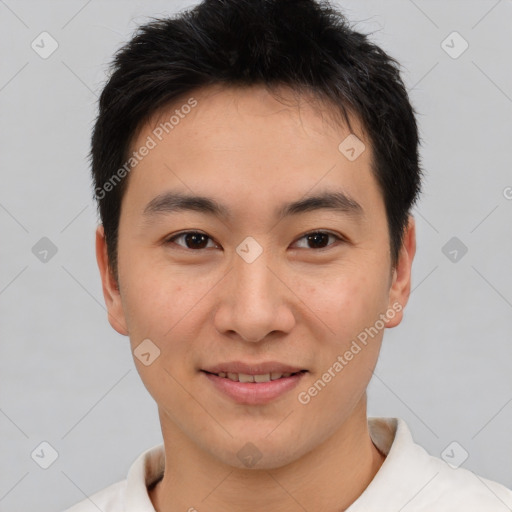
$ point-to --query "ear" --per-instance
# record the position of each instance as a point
(111, 292)
(401, 281)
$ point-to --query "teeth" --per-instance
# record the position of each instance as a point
(243, 377)
(262, 378)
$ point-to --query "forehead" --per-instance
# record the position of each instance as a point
(221, 106)
(246, 143)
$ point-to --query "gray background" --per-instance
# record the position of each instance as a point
(68, 378)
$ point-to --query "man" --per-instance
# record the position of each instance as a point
(255, 164)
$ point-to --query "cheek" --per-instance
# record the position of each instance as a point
(158, 310)
(154, 293)
(350, 300)
(350, 307)
(168, 308)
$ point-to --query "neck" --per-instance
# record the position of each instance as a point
(329, 478)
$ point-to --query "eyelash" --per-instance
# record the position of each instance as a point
(183, 233)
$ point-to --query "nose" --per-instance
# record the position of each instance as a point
(254, 301)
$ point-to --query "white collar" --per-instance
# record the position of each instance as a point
(409, 479)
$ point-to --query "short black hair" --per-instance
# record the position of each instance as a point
(306, 45)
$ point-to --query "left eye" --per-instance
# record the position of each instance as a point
(318, 238)
(198, 240)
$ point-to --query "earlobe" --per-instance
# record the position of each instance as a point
(111, 292)
(401, 282)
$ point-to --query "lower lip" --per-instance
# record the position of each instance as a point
(254, 393)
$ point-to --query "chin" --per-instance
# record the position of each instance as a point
(267, 450)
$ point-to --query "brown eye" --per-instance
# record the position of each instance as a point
(195, 240)
(192, 240)
(319, 239)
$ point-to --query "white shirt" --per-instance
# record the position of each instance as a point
(409, 480)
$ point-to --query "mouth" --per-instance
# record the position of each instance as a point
(255, 389)
(257, 378)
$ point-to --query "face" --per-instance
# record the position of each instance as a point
(254, 282)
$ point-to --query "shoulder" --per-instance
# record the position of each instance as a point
(413, 479)
(109, 499)
(456, 488)
(131, 493)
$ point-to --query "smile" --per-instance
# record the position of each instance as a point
(244, 377)
(256, 389)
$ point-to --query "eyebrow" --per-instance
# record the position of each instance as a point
(173, 202)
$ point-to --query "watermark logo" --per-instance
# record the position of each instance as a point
(44, 250)
(249, 455)
(454, 454)
(44, 455)
(249, 249)
(146, 352)
(454, 45)
(351, 147)
(454, 249)
(44, 45)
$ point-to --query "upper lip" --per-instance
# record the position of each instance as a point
(252, 369)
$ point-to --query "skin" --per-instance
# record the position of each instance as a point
(295, 303)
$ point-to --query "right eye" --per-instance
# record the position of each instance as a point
(193, 240)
